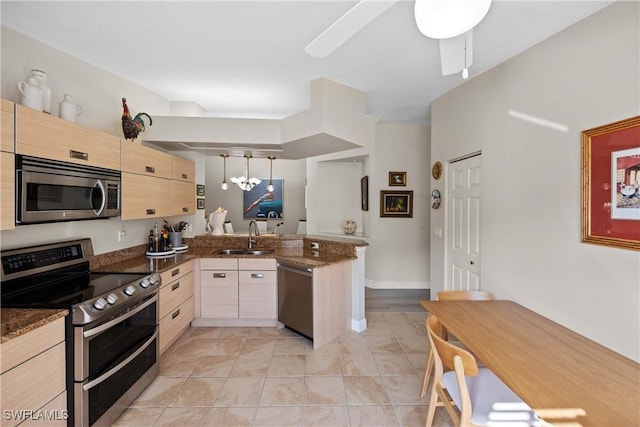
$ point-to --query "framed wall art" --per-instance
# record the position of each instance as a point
(199, 190)
(260, 203)
(397, 179)
(611, 184)
(200, 202)
(364, 193)
(396, 204)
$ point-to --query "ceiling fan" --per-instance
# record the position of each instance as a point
(449, 21)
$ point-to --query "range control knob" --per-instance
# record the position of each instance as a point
(112, 298)
(154, 279)
(129, 290)
(100, 304)
(145, 283)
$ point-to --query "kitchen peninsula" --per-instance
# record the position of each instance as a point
(241, 289)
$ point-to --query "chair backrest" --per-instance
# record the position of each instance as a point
(228, 227)
(464, 295)
(447, 352)
(279, 228)
(262, 225)
(302, 227)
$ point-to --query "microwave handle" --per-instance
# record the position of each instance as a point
(100, 185)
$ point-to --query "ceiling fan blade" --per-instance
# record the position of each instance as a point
(453, 52)
(346, 26)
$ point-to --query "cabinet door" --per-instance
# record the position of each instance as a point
(258, 294)
(49, 137)
(183, 169)
(139, 159)
(145, 196)
(219, 294)
(7, 191)
(184, 197)
(7, 131)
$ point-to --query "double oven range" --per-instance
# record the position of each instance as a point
(111, 331)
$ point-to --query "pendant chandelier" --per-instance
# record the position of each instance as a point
(246, 182)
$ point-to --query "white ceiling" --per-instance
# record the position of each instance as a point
(247, 59)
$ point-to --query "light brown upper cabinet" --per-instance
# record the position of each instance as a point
(183, 197)
(139, 159)
(7, 131)
(183, 169)
(7, 191)
(49, 137)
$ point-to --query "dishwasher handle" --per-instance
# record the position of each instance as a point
(305, 271)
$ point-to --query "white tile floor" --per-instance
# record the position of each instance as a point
(270, 377)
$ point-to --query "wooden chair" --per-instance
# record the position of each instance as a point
(444, 296)
(471, 395)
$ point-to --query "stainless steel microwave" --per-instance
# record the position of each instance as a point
(49, 190)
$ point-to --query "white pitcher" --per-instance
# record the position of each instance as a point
(31, 94)
(69, 110)
(41, 78)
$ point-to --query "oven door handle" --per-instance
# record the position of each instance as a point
(120, 365)
(105, 326)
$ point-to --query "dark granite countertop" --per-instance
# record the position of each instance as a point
(19, 321)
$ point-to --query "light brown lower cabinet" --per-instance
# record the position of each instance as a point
(33, 378)
(176, 305)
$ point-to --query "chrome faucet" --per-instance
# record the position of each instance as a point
(252, 226)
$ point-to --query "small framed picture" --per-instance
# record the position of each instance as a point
(398, 204)
(397, 179)
(364, 193)
(199, 190)
(200, 203)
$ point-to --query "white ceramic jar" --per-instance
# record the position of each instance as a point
(31, 94)
(69, 110)
(41, 77)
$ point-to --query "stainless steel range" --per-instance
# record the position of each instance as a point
(111, 332)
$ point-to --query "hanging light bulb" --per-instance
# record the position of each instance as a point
(224, 184)
(244, 182)
(270, 186)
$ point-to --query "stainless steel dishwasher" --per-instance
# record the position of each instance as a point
(295, 299)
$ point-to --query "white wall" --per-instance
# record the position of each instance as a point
(583, 77)
(291, 171)
(99, 93)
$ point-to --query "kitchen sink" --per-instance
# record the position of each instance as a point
(243, 252)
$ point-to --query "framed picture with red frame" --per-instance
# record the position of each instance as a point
(611, 184)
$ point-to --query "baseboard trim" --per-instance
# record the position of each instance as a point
(388, 284)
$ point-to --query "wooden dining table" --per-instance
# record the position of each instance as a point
(565, 377)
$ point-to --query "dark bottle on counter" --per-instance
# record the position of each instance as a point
(150, 249)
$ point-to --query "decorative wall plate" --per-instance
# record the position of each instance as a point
(436, 170)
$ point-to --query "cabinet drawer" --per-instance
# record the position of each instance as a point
(32, 343)
(167, 277)
(56, 408)
(175, 293)
(139, 159)
(258, 294)
(7, 131)
(32, 384)
(184, 197)
(218, 263)
(174, 323)
(49, 137)
(145, 196)
(257, 264)
(183, 169)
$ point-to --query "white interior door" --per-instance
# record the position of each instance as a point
(463, 201)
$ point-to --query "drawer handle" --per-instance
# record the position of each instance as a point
(185, 176)
(257, 275)
(219, 275)
(151, 211)
(175, 314)
(150, 169)
(175, 272)
(78, 155)
(175, 286)
(185, 209)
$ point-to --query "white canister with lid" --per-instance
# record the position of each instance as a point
(69, 110)
(41, 77)
(31, 94)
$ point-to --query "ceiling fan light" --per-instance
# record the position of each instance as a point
(443, 19)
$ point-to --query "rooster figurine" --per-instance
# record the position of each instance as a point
(132, 127)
